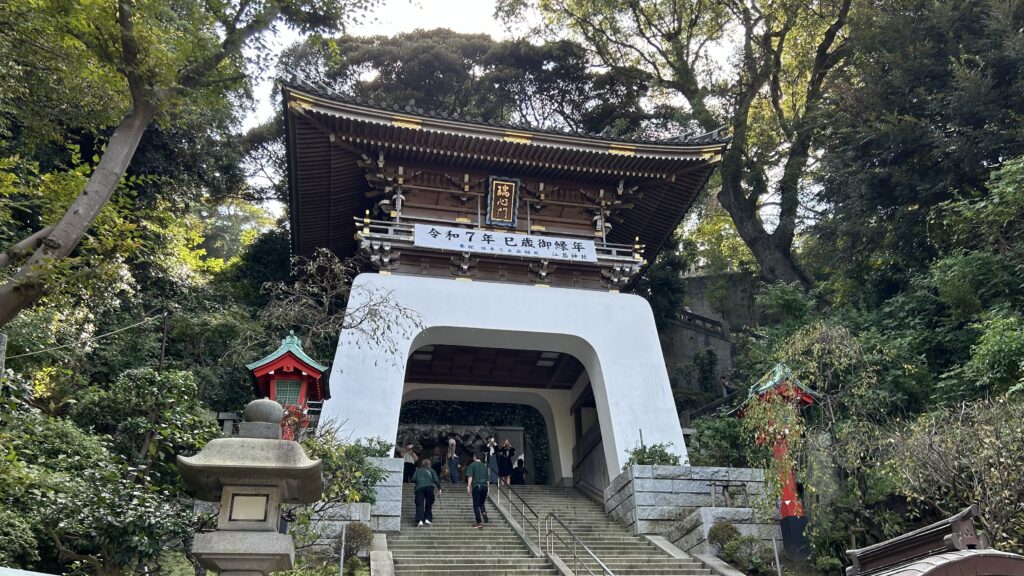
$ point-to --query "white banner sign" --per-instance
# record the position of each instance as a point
(505, 243)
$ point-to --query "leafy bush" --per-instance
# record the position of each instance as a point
(829, 565)
(722, 442)
(354, 566)
(358, 537)
(749, 555)
(721, 534)
(375, 447)
(653, 454)
(780, 303)
(349, 475)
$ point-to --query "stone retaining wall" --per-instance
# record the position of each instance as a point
(651, 499)
(330, 526)
(386, 514)
(691, 534)
(677, 502)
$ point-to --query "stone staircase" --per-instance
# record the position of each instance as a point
(452, 547)
(623, 553)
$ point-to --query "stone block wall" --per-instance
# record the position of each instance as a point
(386, 513)
(652, 499)
(691, 534)
(330, 525)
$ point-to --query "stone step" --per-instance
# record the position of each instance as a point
(430, 551)
(481, 571)
(491, 563)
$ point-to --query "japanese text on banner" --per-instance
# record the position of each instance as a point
(509, 244)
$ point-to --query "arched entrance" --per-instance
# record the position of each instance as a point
(612, 335)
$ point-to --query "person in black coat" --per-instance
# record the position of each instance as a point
(506, 456)
(519, 473)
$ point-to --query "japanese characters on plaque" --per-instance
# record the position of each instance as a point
(502, 202)
(505, 243)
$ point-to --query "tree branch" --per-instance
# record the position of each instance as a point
(28, 244)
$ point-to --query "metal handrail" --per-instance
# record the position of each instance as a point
(533, 521)
(576, 543)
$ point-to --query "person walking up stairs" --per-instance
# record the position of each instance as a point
(452, 547)
(476, 486)
(425, 479)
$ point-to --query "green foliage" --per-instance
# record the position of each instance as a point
(782, 303)
(694, 383)
(996, 364)
(750, 555)
(722, 441)
(931, 104)
(717, 247)
(961, 455)
(354, 566)
(150, 417)
(348, 474)
(663, 284)
(84, 499)
(722, 533)
(542, 84)
(315, 303)
(17, 542)
(653, 454)
(829, 565)
(358, 537)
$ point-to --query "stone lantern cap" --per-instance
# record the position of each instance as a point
(260, 461)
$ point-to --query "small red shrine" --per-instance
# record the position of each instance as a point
(295, 381)
(781, 383)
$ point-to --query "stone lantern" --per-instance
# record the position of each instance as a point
(251, 475)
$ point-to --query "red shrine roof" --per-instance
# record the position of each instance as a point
(290, 345)
(780, 377)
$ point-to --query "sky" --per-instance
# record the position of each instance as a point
(390, 18)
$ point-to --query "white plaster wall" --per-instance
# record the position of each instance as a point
(613, 335)
(553, 405)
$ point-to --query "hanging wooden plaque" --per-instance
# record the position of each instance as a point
(503, 201)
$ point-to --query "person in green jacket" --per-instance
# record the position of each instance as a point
(476, 484)
(425, 480)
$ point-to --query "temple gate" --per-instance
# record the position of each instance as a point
(515, 248)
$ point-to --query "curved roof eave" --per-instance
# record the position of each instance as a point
(705, 149)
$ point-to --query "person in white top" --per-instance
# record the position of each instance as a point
(409, 455)
(452, 458)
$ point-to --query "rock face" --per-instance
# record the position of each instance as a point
(427, 437)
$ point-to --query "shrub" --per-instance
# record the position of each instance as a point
(829, 565)
(749, 555)
(376, 447)
(721, 534)
(653, 454)
(354, 566)
(358, 537)
(722, 441)
(780, 303)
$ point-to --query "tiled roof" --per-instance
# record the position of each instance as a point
(291, 343)
(711, 138)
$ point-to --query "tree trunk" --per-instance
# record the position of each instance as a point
(776, 262)
(773, 252)
(28, 284)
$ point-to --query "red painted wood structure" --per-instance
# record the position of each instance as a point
(295, 381)
(792, 519)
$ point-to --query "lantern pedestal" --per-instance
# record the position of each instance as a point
(251, 475)
(239, 553)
